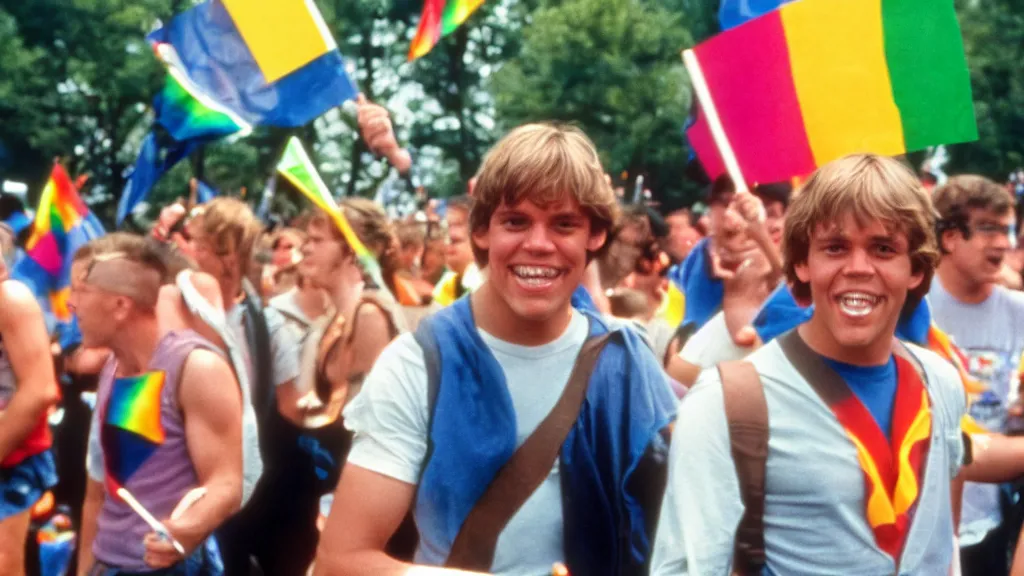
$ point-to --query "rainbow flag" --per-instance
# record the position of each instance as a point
(439, 19)
(296, 167)
(186, 111)
(132, 428)
(819, 79)
(63, 224)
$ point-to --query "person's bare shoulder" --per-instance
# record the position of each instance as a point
(208, 287)
(17, 301)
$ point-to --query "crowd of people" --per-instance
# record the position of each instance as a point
(820, 379)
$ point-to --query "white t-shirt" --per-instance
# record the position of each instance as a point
(712, 344)
(390, 421)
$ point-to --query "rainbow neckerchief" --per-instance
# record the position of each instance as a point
(132, 428)
(892, 471)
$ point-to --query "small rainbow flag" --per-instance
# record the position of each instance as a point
(63, 224)
(132, 428)
(297, 168)
(439, 19)
(819, 79)
(60, 210)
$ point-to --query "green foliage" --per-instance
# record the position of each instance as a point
(77, 79)
(613, 68)
(994, 42)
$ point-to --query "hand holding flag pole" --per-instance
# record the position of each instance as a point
(155, 524)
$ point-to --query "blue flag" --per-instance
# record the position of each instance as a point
(229, 71)
(732, 13)
(153, 162)
(265, 79)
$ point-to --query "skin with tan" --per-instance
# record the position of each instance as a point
(212, 417)
(329, 265)
(28, 348)
(379, 134)
(745, 257)
(458, 253)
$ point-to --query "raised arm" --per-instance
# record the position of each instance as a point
(28, 348)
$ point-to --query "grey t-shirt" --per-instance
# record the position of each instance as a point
(815, 499)
(991, 335)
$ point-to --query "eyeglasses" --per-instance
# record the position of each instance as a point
(991, 229)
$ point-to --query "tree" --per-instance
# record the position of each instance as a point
(611, 67)
(994, 42)
(456, 115)
(91, 80)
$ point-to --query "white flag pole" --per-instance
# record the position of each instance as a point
(700, 86)
(155, 524)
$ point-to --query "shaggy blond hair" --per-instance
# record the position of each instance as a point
(232, 229)
(873, 189)
(544, 163)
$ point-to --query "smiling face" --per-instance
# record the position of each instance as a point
(859, 276)
(537, 256)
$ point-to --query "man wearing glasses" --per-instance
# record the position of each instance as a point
(987, 322)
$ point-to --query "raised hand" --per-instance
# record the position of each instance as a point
(379, 134)
(375, 127)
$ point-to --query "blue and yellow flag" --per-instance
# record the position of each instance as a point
(232, 65)
(271, 62)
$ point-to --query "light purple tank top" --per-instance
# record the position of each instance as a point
(165, 474)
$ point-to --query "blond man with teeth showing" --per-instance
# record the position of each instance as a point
(455, 423)
(862, 438)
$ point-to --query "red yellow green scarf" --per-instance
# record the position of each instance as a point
(892, 471)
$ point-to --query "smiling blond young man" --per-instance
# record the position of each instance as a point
(446, 411)
(863, 435)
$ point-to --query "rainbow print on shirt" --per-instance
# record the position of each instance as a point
(132, 429)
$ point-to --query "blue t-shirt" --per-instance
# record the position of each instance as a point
(874, 386)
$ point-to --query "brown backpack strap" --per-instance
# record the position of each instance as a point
(747, 413)
(525, 471)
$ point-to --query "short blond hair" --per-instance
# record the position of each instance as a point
(232, 228)
(873, 189)
(544, 163)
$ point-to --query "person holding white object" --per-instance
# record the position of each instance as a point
(164, 431)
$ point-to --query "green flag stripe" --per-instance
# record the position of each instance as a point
(930, 80)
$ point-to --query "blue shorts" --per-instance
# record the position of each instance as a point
(24, 484)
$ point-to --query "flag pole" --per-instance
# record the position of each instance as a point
(700, 86)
